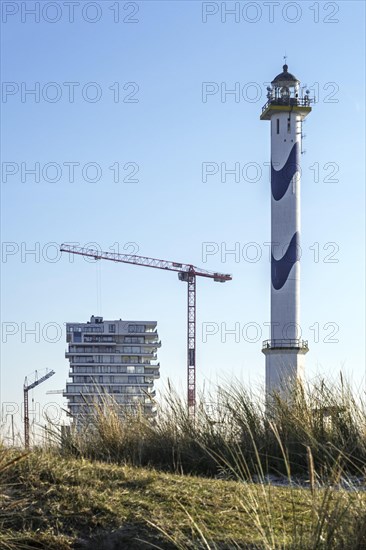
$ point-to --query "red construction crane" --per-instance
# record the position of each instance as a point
(186, 273)
(26, 389)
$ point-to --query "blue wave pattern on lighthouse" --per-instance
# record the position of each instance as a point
(284, 351)
(281, 179)
(280, 269)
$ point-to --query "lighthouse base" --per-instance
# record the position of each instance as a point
(284, 369)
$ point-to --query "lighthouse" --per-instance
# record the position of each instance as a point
(286, 108)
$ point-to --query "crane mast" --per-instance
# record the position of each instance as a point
(26, 389)
(186, 273)
(191, 344)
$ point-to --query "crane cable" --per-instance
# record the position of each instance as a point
(98, 267)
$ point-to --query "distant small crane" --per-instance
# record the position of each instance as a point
(26, 389)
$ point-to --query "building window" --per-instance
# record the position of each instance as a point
(278, 125)
(134, 339)
(112, 328)
(136, 328)
(71, 328)
(93, 329)
(131, 349)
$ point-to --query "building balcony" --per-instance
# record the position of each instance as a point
(84, 410)
(122, 354)
(297, 105)
(146, 354)
(89, 344)
(152, 370)
(288, 101)
(295, 343)
(135, 353)
(115, 378)
(83, 388)
(155, 375)
(89, 369)
(155, 343)
(152, 337)
(96, 341)
(76, 351)
(89, 362)
(119, 365)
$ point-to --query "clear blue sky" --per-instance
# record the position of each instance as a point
(169, 132)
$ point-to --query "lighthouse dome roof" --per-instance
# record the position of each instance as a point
(285, 76)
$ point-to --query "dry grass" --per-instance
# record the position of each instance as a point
(327, 420)
(59, 503)
(124, 481)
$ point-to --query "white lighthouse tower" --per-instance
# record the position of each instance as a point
(285, 350)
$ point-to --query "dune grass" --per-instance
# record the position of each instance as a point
(327, 420)
(125, 481)
(55, 502)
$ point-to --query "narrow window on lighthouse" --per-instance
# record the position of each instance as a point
(278, 126)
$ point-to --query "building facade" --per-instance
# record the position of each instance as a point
(111, 360)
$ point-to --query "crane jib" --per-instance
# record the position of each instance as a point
(145, 261)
